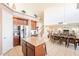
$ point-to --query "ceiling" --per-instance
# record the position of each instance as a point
(54, 11)
(35, 8)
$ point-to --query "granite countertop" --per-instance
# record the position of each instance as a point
(34, 40)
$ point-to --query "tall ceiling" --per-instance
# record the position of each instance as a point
(35, 8)
(52, 12)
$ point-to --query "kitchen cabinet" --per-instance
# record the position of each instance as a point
(16, 40)
(24, 48)
(15, 21)
(19, 21)
(32, 47)
(33, 24)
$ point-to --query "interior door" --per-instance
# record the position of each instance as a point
(7, 31)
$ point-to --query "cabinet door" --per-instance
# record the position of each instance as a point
(25, 22)
(40, 50)
(30, 51)
(33, 24)
(15, 21)
(24, 48)
(16, 40)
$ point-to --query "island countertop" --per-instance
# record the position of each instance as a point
(34, 40)
(34, 46)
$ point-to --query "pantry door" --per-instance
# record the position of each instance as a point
(7, 31)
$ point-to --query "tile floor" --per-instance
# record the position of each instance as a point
(53, 49)
(16, 51)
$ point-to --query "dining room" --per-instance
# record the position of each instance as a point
(62, 27)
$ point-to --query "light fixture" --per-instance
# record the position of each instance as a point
(60, 22)
(35, 15)
(23, 11)
(77, 6)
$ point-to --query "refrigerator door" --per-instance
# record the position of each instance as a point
(21, 31)
(26, 31)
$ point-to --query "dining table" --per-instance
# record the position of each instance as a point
(66, 38)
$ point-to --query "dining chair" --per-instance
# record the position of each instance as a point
(72, 39)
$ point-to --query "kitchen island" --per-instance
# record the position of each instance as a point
(33, 46)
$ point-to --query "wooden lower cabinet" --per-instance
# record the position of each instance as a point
(30, 50)
(40, 50)
(24, 48)
(16, 41)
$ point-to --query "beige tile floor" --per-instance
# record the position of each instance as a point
(16, 51)
(53, 49)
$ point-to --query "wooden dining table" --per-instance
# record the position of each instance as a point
(67, 39)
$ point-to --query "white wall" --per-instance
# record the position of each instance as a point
(54, 14)
(0, 30)
(67, 13)
(71, 13)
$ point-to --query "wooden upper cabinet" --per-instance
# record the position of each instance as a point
(15, 21)
(20, 21)
(26, 22)
(33, 24)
